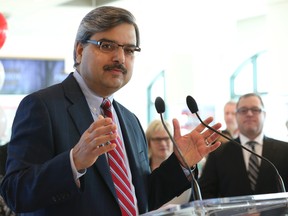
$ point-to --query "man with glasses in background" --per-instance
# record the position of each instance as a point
(229, 171)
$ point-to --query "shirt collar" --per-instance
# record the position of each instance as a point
(94, 101)
(258, 139)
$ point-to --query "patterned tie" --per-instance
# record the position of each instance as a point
(253, 167)
(119, 171)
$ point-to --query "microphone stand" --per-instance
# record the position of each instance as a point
(192, 105)
(196, 194)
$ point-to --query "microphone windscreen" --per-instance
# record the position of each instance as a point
(160, 105)
(192, 105)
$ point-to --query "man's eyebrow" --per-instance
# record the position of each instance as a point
(113, 41)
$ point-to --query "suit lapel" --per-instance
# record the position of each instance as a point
(82, 118)
(268, 152)
(240, 157)
(137, 156)
(268, 149)
(78, 110)
(129, 139)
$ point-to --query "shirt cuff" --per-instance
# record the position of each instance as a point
(188, 172)
(76, 174)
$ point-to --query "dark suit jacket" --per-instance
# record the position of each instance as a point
(39, 179)
(224, 173)
(3, 157)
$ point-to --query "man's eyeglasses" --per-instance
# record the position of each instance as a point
(254, 110)
(160, 139)
(110, 47)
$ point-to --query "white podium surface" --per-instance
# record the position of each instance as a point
(275, 204)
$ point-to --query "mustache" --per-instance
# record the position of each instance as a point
(115, 66)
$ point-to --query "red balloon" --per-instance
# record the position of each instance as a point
(3, 29)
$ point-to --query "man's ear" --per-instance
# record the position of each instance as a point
(79, 50)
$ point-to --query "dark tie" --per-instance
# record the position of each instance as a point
(119, 171)
(253, 167)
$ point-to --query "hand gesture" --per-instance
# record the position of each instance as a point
(94, 142)
(196, 144)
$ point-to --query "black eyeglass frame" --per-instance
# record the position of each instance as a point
(128, 49)
(254, 110)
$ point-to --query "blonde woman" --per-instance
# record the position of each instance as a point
(160, 148)
(159, 145)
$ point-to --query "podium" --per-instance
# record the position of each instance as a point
(275, 204)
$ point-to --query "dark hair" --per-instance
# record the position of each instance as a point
(251, 95)
(102, 19)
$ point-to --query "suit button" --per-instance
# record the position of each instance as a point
(54, 199)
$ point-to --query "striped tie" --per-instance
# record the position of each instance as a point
(119, 171)
(253, 167)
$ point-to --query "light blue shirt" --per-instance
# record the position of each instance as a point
(94, 103)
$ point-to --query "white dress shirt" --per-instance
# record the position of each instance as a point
(258, 147)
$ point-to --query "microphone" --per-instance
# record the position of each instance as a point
(192, 105)
(160, 107)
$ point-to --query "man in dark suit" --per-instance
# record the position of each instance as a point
(61, 144)
(225, 173)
